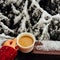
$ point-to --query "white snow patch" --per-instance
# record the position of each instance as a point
(49, 45)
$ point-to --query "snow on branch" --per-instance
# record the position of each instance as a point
(5, 28)
(26, 16)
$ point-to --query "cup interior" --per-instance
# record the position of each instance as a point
(26, 34)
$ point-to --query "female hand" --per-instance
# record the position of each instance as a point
(11, 43)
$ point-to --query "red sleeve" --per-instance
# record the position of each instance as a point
(7, 53)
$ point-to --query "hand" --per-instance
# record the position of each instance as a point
(11, 43)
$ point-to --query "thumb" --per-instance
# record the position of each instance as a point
(14, 42)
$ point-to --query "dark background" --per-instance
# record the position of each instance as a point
(31, 56)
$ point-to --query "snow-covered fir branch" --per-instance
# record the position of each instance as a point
(17, 16)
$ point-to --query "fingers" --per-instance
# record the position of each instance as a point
(14, 43)
(7, 43)
(11, 43)
(17, 47)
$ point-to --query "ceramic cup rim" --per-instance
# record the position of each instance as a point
(26, 34)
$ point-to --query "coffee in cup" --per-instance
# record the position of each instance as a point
(26, 42)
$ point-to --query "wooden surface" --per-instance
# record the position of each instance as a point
(35, 51)
(39, 55)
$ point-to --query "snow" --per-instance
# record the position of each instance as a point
(10, 1)
(4, 38)
(1, 1)
(45, 35)
(49, 46)
(18, 2)
(22, 28)
(17, 18)
(14, 10)
(6, 28)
